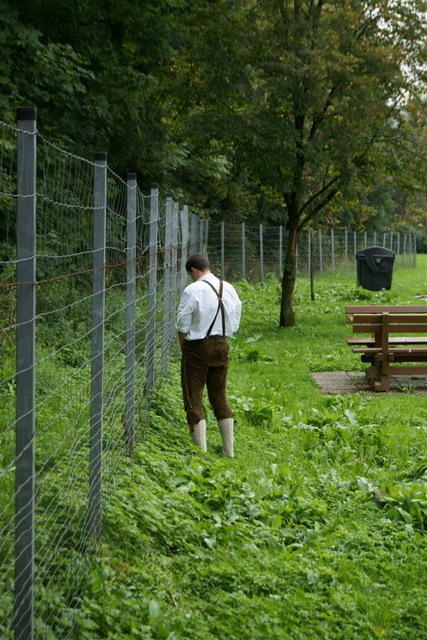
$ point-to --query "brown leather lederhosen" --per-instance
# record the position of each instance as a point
(205, 362)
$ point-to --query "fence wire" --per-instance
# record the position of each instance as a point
(50, 518)
(63, 526)
(241, 251)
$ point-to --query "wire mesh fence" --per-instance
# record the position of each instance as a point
(241, 251)
(86, 325)
(90, 273)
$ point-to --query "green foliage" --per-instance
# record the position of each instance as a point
(239, 108)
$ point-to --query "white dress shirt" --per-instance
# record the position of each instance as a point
(199, 305)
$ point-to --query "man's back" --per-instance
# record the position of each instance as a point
(199, 304)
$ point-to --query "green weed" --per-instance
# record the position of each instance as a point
(315, 531)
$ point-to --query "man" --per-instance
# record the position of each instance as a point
(208, 312)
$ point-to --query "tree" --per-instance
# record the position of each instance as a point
(307, 99)
(285, 109)
(330, 85)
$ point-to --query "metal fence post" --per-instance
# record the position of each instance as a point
(365, 239)
(130, 313)
(167, 287)
(333, 250)
(346, 247)
(261, 252)
(308, 253)
(98, 318)
(354, 244)
(280, 251)
(184, 243)
(384, 237)
(150, 347)
(243, 251)
(398, 244)
(175, 275)
(205, 237)
(193, 233)
(201, 234)
(196, 233)
(320, 252)
(25, 376)
(375, 238)
(311, 267)
(174, 266)
(222, 247)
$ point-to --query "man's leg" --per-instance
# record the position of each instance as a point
(216, 381)
(193, 379)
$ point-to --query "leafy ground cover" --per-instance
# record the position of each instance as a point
(316, 530)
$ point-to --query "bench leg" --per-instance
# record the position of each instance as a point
(372, 375)
(382, 381)
(383, 384)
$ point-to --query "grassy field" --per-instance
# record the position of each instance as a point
(316, 531)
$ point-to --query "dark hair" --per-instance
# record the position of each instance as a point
(198, 261)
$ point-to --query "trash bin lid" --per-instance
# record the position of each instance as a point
(375, 251)
(374, 256)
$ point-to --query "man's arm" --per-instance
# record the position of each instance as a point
(235, 322)
(183, 318)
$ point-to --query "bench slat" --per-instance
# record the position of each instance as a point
(413, 350)
(384, 308)
(376, 318)
(392, 328)
(417, 370)
(394, 340)
(397, 357)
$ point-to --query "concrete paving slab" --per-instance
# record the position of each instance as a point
(342, 382)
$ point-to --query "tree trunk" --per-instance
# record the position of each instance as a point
(287, 315)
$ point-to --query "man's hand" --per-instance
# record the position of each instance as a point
(181, 338)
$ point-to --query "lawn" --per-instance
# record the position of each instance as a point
(315, 531)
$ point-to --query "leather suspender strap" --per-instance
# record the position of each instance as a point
(220, 307)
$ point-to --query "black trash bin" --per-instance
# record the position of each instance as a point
(375, 268)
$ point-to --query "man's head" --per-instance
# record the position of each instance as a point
(197, 265)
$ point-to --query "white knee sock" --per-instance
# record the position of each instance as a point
(198, 435)
(226, 427)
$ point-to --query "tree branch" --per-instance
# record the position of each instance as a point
(319, 192)
(316, 209)
(317, 12)
(318, 119)
(283, 11)
(358, 160)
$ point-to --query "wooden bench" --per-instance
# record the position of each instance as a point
(381, 349)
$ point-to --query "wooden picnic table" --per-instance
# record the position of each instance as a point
(381, 349)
